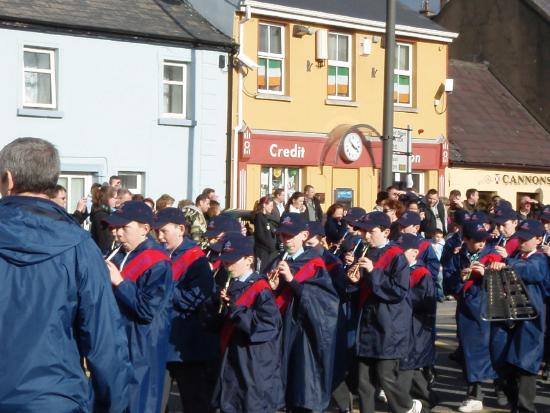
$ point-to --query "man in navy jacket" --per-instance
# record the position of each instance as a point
(56, 304)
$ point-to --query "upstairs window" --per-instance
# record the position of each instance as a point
(402, 75)
(271, 59)
(339, 66)
(175, 89)
(39, 78)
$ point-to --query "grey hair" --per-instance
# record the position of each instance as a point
(33, 164)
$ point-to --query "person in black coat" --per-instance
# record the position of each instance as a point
(104, 200)
(335, 227)
(265, 242)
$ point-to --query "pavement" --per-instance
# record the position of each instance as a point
(450, 385)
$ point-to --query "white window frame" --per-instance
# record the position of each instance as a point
(140, 180)
(183, 83)
(270, 188)
(51, 71)
(273, 56)
(88, 178)
(409, 73)
(339, 63)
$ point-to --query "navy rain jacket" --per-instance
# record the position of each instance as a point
(56, 306)
(145, 306)
(189, 339)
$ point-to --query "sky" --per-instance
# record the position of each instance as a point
(416, 4)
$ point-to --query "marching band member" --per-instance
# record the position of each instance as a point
(141, 277)
(421, 352)
(545, 218)
(463, 278)
(250, 375)
(192, 350)
(506, 220)
(309, 306)
(386, 317)
(347, 319)
(524, 341)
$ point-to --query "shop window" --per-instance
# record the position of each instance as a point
(77, 186)
(402, 77)
(339, 66)
(272, 178)
(400, 180)
(271, 59)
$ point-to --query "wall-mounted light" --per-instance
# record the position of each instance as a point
(366, 46)
(449, 85)
(300, 31)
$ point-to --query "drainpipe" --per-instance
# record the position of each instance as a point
(240, 122)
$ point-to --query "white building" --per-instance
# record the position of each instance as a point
(137, 89)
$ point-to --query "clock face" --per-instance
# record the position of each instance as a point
(352, 147)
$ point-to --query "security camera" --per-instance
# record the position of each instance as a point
(247, 61)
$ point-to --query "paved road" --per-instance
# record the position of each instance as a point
(450, 385)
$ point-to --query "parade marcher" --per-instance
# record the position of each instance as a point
(104, 200)
(523, 345)
(141, 277)
(386, 317)
(335, 227)
(545, 218)
(342, 378)
(250, 375)
(463, 278)
(312, 204)
(57, 307)
(192, 349)
(308, 303)
(265, 241)
(506, 220)
(350, 242)
(421, 353)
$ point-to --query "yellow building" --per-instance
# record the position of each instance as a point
(308, 99)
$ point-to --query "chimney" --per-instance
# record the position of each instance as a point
(425, 10)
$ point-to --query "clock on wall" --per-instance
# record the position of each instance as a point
(351, 147)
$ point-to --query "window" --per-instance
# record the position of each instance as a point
(402, 76)
(77, 186)
(39, 83)
(271, 58)
(339, 66)
(280, 177)
(174, 87)
(133, 181)
(400, 180)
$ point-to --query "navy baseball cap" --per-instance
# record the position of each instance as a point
(130, 211)
(545, 213)
(505, 214)
(503, 204)
(530, 228)
(168, 216)
(475, 231)
(461, 217)
(235, 246)
(315, 229)
(409, 218)
(292, 223)
(409, 197)
(221, 223)
(372, 220)
(354, 214)
(479, 216)
(407, 242)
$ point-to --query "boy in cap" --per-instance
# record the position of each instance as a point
(386, 317)
(192, 351)
(347, 319)
(308, 303)
(141, 277)
(421, 352)
(506, 220)
(463, 278)
(524, 346)
(545, 218)
(250, 375)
